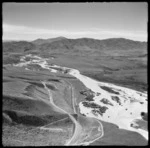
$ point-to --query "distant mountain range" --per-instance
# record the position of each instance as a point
(81, 44)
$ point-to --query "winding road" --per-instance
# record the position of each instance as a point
(82, 133)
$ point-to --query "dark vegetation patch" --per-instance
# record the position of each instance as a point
(39, 84)
(89, 98)
(141, 124)
(106, 101)
(31, 120)
(101, 110)
(109, 90)
(89, 94)
(90, 104)
(98, 108)
(115, 98)
(27, 49)
(26, 119)
(144, 116)
(51, 87)
(55, 80)
(83, 92)
(27, 105)
(97, 94)
(28, 94)
(97, 111)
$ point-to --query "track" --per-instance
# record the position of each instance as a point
(82, 134)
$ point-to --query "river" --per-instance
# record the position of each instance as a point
(126, 105)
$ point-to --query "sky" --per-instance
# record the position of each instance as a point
(29, 21)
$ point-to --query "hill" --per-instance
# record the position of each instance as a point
(42, 41)
(82, 44)
(18, 46)
(88, 44)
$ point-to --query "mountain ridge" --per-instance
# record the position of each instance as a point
(74, 44)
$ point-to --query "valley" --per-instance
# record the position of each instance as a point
(83, 90)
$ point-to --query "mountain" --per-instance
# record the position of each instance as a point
(50, 40)
(107, 47)
(93, 44)
(81, 45)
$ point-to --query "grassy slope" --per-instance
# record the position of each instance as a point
(115, 136)
(29, 112)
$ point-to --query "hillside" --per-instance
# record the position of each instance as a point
(62, 43)
(92, 45)
(18, 46)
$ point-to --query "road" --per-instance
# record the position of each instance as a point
(78, 127)
(82, 133)
(73, 99)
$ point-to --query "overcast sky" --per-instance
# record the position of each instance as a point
(29, 21)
